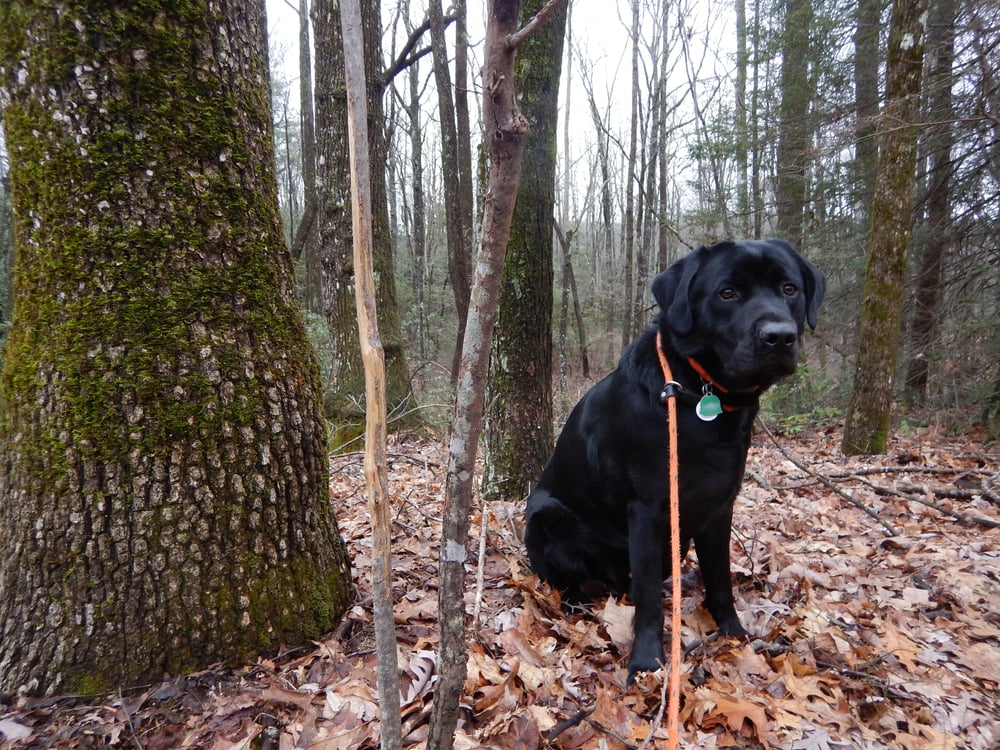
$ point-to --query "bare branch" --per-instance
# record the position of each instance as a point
(532, 27)
(407, 56)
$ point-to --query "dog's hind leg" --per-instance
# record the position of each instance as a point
(565, 551)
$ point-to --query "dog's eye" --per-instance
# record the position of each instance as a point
(728, 293)
(789, 289)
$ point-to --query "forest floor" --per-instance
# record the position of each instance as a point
(873, 586)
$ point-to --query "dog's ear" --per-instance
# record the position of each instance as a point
(814, 279)
(672, 292)
(815, 289)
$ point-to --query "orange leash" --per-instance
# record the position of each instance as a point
(673, 710)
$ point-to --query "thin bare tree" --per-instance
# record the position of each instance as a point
(506, 132)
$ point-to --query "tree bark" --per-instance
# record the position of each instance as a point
(304, 242)
(742, 133)
(163, 472)
(6, 253)
(866, 96)
(333, 225)
(570, 292)
(399, 396)
(757, 117)
(870, 411)
(505, 136)
(795, 131)
(937, 232)
(419, 208)
(606, 231)
(630, 324)
(519, 418)
(463, 143)
(459, 254)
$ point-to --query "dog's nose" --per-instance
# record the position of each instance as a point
(778, 335)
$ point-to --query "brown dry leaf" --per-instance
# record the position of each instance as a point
(501, 697)
(901, 646)
(981, 661)
(611, 713)
(521, 645)
(736, 714)
(750, 663)
(617, 620)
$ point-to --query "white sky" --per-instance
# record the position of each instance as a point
(600, 36)
(600, 31)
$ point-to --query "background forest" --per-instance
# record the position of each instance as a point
(679, 124)
(724, 140)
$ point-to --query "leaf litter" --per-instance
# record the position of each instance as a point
(872, 586)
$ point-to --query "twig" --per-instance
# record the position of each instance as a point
(879, 682)
(863, 470)
(569, 723)
(890, 530)
(658, 720)
(761, 480)
(612, 734)
(128, 718)
(407, 56)
(480, 570)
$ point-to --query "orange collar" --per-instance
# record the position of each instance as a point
(703, 374)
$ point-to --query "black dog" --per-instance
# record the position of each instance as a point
(731, 318)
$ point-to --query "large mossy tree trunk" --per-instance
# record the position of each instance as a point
(518, 426)
(163, 475)
(866, 429)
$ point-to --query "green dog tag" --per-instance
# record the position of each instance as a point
(708, 408)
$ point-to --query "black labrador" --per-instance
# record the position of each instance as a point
(731, 319)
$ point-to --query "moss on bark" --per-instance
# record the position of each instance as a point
(163, 455)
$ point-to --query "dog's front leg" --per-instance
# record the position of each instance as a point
(712, 546)
(647, 533)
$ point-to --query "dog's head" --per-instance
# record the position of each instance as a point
(740, 308)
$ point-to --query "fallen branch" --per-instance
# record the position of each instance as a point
(866, 470)
(989, 491)
(612, 734)
(915, 492)
(890, 530)
(880, 683)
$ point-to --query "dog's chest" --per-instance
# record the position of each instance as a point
(711, 464)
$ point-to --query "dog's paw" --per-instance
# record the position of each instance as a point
(724, 614)
(648, 662)
(732, 627)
